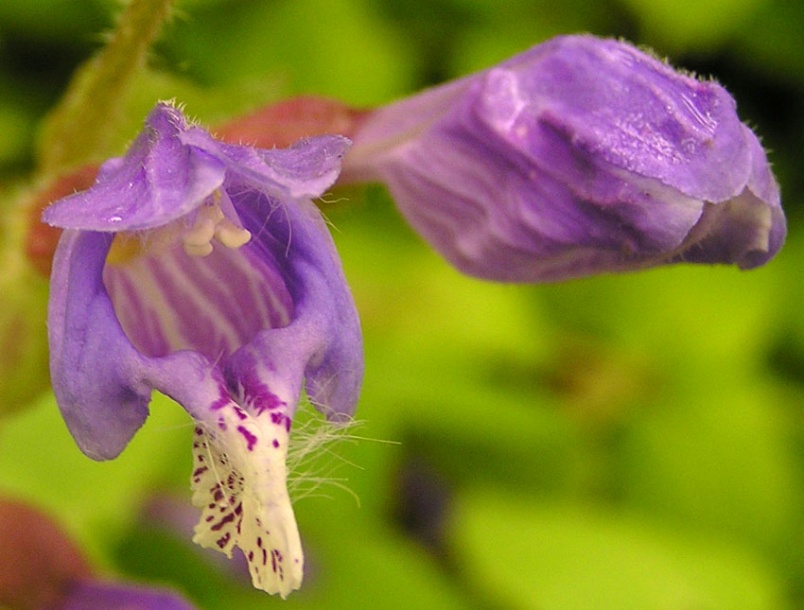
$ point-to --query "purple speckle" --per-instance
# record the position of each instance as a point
(222, 400)
(280, 419)
(266, 401)
(251, 439)
(219, 525)
(221, 542)
(276, 444)
(256, 394)
(276, 564)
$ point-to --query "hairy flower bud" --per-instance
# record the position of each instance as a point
(577, 157)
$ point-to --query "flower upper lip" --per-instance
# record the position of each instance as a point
(140, 191)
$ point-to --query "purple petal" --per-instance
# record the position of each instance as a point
(625, 108)
(159, 180)
(171, 301)
(95, 370)
(303, 171)
(324, 336)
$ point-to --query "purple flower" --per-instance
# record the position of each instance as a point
(203, 270)
(579, 156)
(93, 595)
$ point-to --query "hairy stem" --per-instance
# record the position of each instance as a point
(81, 127)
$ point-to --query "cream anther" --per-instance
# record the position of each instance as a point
(211, 223)
(230, 235)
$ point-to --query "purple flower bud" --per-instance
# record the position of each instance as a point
(204, 271)
(579, 156)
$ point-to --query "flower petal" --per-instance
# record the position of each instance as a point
(170, 301)
(623, 107)
(228, 310)
(302, 171)
(324, 337)
(96, 372)
(159, 180)
(240, 483)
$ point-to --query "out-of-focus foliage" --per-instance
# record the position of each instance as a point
(620, 442)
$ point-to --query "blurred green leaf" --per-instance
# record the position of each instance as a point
(772, 41)
(40, 462)
(692, 25)
(59, 19)
(16, 127)
(23, 340)
(516, 26)
(529, 555)
(338, 48)
(685, 316)
(718, 456)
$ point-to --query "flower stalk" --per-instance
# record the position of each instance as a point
(99, 89)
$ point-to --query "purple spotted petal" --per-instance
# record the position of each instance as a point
(577, 157)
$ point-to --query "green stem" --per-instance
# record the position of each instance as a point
(81, 127)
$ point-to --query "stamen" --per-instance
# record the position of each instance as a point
(215, 220)
(230, 235)
(211, 223)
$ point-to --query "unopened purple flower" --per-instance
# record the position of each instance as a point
(579, 156)
(203, 270)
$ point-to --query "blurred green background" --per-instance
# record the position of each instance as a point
(620, 442)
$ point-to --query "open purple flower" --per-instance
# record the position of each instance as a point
(203, 270)
(577, 157)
